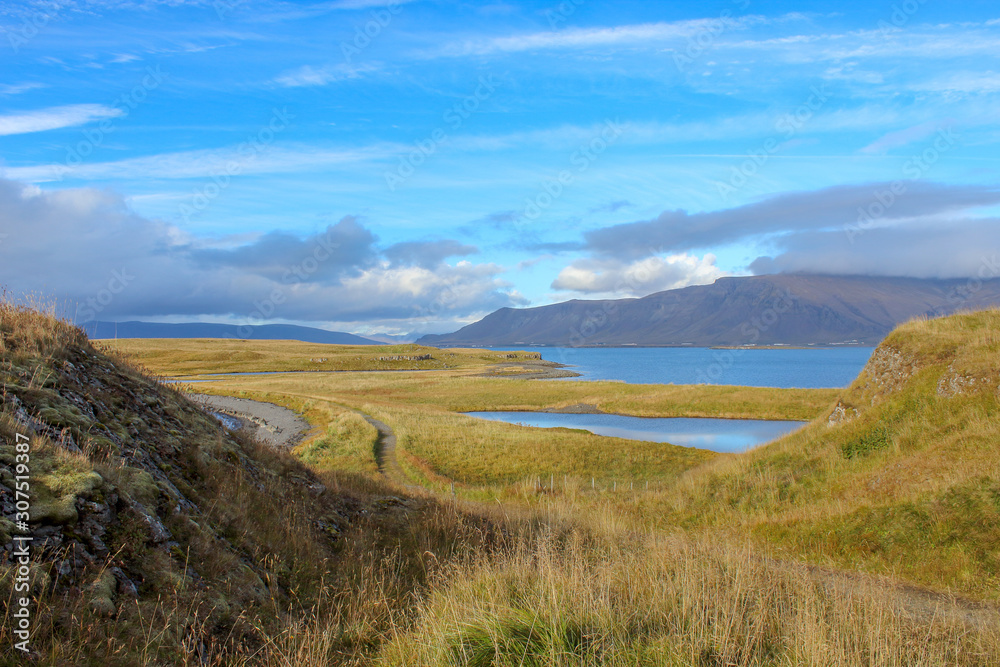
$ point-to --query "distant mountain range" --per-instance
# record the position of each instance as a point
(103, 330)
(393, 339)
(787, 309)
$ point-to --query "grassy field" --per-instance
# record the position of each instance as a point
(907, 484)
(904, 485)
(458, 393)
(437, 446)
(183, 357)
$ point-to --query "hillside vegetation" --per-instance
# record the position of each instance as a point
(161, 538)
(902, 478)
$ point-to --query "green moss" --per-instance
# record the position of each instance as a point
(872, 440)
(64, 416)
(7, 529)
(54, 491)
(139, 484)
(102, 594)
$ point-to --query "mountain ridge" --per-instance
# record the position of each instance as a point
(782, 309)
(100, 330)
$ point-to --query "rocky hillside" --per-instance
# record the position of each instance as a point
(781, 309)
(203, 546)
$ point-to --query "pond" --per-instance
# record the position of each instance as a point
(717, 435)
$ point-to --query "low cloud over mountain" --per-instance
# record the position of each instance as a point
(106, 262)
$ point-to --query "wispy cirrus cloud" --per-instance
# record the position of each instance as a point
(18, 88)
(307, 75)
(55, 118)
(204, 164)
(585, 38)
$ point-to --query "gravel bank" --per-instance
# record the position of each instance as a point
(272, 424)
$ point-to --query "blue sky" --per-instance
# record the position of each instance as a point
(411, 166)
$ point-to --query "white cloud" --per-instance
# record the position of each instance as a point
(584, 38)
(614, 278)
(117, 264)
(974, 83)
(203, 164)
(55, 118)
(905, 137)
(18, 88)
(307, 75)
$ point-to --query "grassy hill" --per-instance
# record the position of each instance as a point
(161, 538)
(902, 478)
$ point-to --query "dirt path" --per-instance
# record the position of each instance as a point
(385, 451)
(272, 424)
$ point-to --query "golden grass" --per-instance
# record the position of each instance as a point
(907, 488)
(457, 393)
(184, 357)
(572, 600)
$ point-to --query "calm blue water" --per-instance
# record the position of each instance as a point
(809, 368)
(717, 435)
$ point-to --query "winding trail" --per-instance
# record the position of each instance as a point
(385, 451)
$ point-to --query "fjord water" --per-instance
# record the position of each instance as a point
(810, 368)
(717, 435)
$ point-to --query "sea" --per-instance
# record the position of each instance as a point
(811, 368)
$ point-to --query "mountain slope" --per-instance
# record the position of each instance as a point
(106, 330)
(785, 309)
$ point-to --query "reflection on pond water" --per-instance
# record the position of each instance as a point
(717, 435)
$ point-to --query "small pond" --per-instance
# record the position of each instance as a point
(717, 435)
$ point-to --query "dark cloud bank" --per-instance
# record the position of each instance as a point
(102, 261)
(105, 262)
